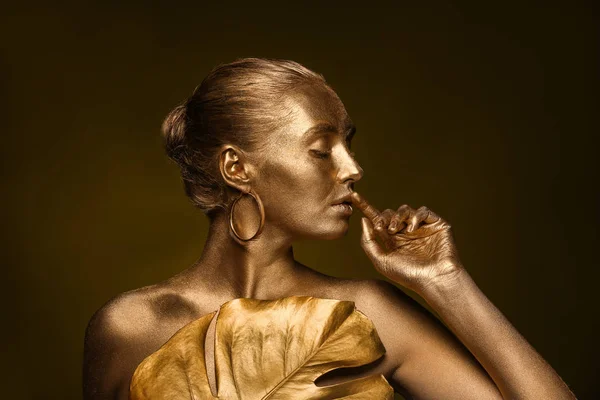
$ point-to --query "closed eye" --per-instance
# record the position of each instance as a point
(321, 154)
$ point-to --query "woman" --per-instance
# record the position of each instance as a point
(264, 150)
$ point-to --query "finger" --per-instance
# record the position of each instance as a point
(382, 222)
(422, 215)
(398, 220)
(367, 209)
(368, 242)
(431, 217)
(415, 219)
(430, 229)
(426, 230)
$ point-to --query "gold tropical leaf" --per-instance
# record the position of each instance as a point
(267, 349)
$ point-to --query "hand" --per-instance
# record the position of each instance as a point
(418, 248)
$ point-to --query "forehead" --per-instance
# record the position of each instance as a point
(316, 110)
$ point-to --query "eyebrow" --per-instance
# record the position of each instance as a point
(325, 127)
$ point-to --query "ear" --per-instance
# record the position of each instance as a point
(234, 167)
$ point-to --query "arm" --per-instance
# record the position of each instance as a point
(418, 252)
(430, 362)
(514, 365)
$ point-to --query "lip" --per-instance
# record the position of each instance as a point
(345, 199)
(343, 208)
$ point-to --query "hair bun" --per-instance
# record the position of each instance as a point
(174, 129)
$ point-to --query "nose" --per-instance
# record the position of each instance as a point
(350, 170)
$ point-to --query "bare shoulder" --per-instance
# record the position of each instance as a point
(377, 298)
(402, 313)
(378, 294)
(121, 317)
(139, 311)
(118, 337)
(108, 334)
(401, 322)
(396, 317)
(416, 341)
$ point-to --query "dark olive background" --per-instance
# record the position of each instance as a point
(483, 113)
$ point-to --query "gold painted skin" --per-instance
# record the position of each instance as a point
(298, 179)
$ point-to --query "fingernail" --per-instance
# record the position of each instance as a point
(392, 226)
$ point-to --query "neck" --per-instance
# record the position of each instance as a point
(257, 269)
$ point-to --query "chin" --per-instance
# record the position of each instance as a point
(338, 231)
(326, 228)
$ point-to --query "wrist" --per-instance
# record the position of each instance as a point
(447, 287)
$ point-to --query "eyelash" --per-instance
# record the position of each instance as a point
(322, 154)
(326, 154)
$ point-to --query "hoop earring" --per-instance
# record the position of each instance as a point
(260, 209)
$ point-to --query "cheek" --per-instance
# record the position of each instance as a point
(296, 189)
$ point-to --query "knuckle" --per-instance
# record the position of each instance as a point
(387, 215)
(404, 210)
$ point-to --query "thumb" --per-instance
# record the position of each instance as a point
(368, 242)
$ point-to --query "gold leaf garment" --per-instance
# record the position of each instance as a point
(267, 349)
